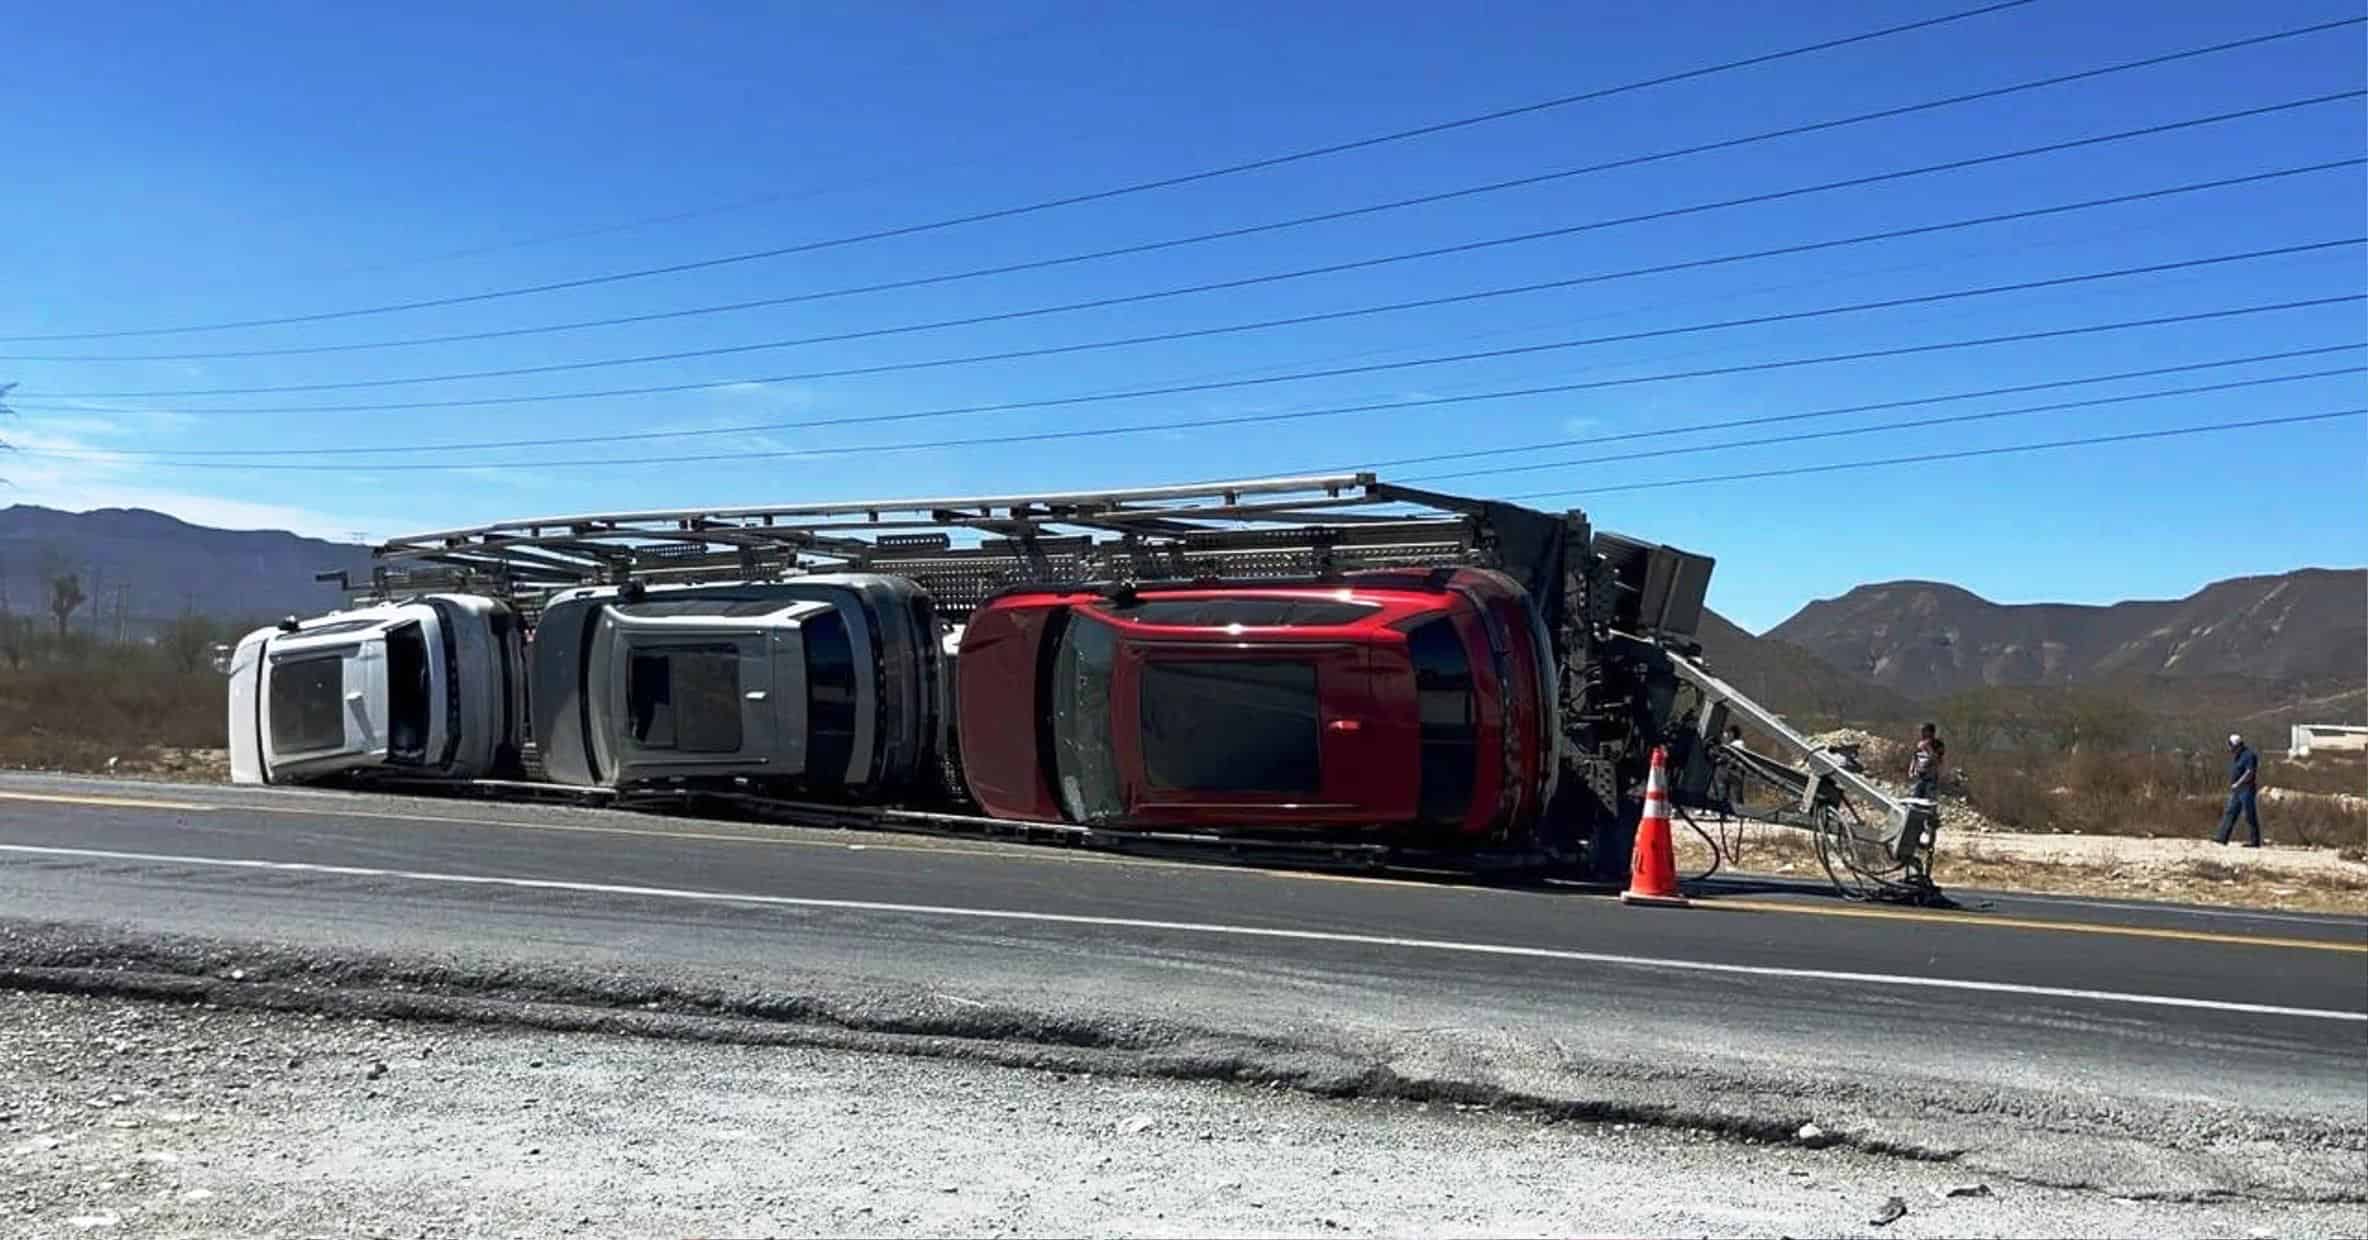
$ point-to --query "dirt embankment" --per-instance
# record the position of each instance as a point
(128, 1117)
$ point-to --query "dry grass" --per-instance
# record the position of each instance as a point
(2106, 867)
(2317, 803)
(2194, 881)
(74, 705)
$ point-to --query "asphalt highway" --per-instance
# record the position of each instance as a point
(2097, 1005)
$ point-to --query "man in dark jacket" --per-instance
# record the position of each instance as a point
(2244, 786)
(1924, 765)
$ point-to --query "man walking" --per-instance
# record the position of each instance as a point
(2244, 786)
(1924, 765)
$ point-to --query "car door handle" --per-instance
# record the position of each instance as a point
(1345, 725)
(354, 697)
(756, 695)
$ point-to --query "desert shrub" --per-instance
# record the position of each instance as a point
(2329, 772)
(2101, 792)
(74, 703)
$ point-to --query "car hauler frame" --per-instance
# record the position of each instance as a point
(1621, 614)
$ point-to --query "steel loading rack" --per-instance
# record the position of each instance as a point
(1621, 614)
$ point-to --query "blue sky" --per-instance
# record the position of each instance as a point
(178, 164)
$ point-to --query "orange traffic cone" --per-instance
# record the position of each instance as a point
(1652, 868)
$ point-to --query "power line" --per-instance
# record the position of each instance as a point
(1773, 418)
(1303, 319)
(1137, 187)
(1826, 277)
(1323, 316)
(1962, 454)
(1040, 264)
(1368, 368)
(684, 214)
(1877, 428)
(880, 69)
(1212, 423)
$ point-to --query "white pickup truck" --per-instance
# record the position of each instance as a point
(431, 687)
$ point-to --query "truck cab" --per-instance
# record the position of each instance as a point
(432, 687)
(1414, 701)
(828, 684)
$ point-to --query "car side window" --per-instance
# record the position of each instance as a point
(1217, 613)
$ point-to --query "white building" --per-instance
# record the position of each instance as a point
(2326, 736)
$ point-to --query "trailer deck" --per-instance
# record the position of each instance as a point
(1622, 614)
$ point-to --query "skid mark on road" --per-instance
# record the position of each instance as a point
(1205, 928)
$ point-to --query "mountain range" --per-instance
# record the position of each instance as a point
(138, 569)
(1927, 640)
(2249, 653)
(2257, 651)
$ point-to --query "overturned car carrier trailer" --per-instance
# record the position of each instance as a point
(1328, 667)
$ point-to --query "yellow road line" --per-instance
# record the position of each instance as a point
(119, 802)
(2034, 923)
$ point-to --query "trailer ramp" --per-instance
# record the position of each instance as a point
(1872, 844)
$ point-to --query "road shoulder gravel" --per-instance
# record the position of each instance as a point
(151, 1117)
(2192, 1150)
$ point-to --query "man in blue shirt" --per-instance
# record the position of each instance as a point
(2244, 781)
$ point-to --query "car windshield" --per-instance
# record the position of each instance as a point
(1080, 700)
(830, 698)
(1450, 726)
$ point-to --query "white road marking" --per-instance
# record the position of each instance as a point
(1193, 927)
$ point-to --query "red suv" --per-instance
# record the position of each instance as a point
(1387, 699)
